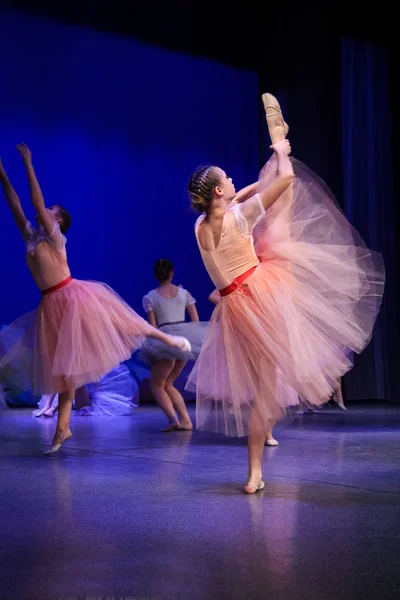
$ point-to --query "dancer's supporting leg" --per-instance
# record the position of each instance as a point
(255, 446)
(63, 432)
(162, 377)
(160, 371)
(257, 436)
(176, 397)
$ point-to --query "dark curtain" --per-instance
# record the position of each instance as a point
(369, 204)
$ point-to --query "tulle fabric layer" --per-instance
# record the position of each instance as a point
(115, 395)
(290, 332)
(77, 335)
(155, 349)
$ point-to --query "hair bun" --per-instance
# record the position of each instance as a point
(197, 202)
(162, 269)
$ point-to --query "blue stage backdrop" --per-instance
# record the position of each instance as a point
(116, 127)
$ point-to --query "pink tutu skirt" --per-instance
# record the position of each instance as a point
(289, 331)
(79, 333)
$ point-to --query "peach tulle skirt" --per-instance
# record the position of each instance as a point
(77, 335)
(290, 330)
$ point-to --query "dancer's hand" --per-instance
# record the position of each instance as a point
(25, 153)
(2, 171)
(282, 147)
(282, 150)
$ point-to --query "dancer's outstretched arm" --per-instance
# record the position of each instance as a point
(36, 193)
(12, 200)
(245, 193)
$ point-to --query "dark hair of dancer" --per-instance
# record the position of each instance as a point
(162, 269)
(65, 218)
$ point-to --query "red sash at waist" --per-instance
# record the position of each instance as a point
(56, 287)
(237, 283)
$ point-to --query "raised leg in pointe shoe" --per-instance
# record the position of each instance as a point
(278, 130)
(277, 127)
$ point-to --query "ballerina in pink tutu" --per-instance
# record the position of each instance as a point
(299, 290)
(81, 330)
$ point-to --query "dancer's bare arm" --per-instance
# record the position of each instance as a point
(191, 308)
(192, 312)
(245, 193)
(12, 200)
(36, 193)
(215, 297)
(151, 317)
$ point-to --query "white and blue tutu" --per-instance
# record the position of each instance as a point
(154, 349)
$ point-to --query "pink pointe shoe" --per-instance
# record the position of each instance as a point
(271, 442)
(252, 488)
(56, 445)
(277, 127)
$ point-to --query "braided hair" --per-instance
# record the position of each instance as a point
(201, 187)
